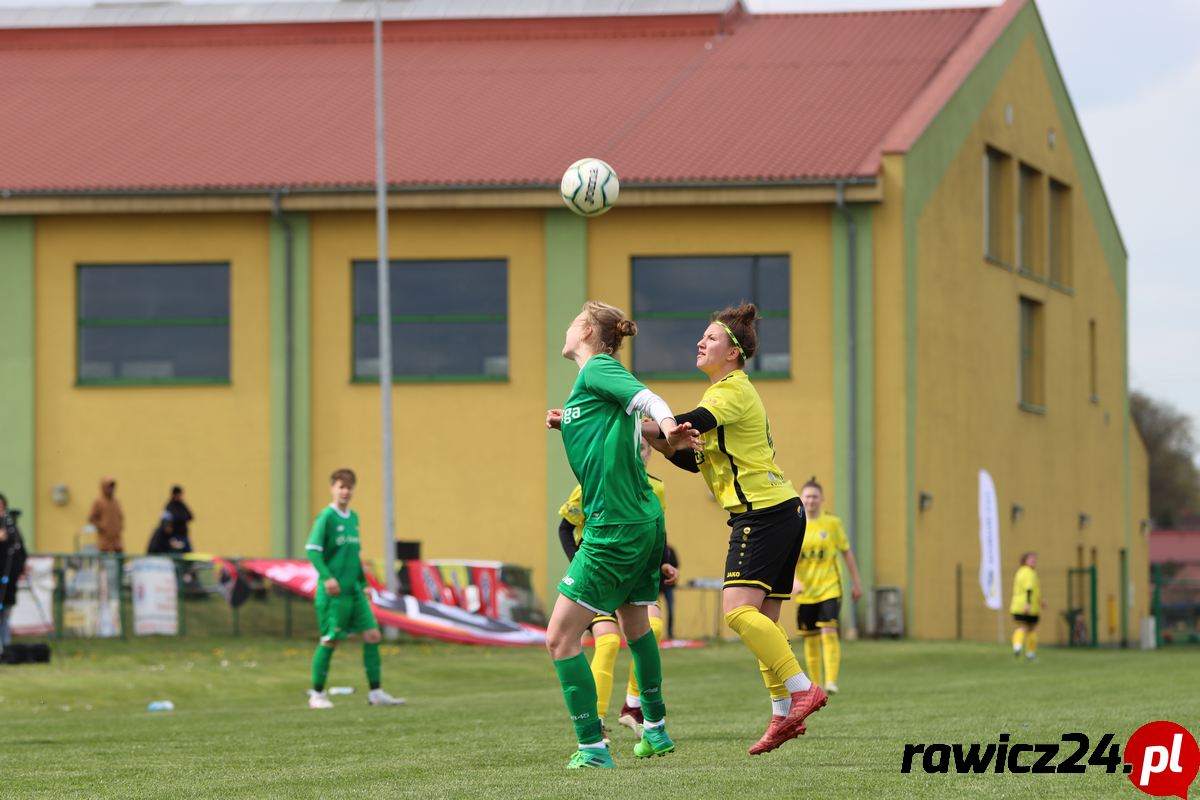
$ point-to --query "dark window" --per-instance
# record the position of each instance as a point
(997, 206)
(1032, 355)
(1030, 218)
(674, 298)
(449, 320)
(153, 323)
(1060, 234)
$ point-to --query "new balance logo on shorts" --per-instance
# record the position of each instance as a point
(568, 580)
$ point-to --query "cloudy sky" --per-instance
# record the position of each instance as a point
(1133, 71)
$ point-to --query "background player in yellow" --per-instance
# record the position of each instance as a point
(1026, 606)
(605, 634)
(818, 586)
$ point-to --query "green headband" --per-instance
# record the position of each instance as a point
(733, 339)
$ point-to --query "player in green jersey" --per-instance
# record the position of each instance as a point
(342, 608)
(617, 566)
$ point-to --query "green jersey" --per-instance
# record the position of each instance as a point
(333, 549)
(603, 441)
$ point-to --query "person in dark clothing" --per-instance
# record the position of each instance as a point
(164, 540)
(12, 567)
(181, 515)
(668, 589)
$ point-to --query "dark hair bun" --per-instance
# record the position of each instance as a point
(627, 327)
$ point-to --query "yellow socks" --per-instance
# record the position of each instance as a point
(772, 681)
(603, 662)
(766, 640)
(657, 626)
(1031, 644)
(1018, 640)
(812, 654)
(832, 646)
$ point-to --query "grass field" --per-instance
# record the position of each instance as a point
(491, 722)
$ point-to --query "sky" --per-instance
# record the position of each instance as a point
(1133, 73)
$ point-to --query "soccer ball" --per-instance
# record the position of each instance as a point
(590, 187)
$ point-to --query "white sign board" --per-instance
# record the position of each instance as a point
(155, 597)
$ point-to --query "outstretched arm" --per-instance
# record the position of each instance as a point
(855, 583)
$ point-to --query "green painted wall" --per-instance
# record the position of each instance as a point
(566, 291)
(16, 365)
(283, 546)
(863, 533)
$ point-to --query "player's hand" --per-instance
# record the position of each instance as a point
(1027, 608)
(682, 437)
(554, 419)
(669, 575)
(332, 587)
(856, 591)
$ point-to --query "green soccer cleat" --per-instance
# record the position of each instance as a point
(655, 742)
(591, 758)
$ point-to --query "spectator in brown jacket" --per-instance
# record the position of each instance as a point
(106, 515)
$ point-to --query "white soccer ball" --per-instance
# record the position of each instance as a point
(590, 187)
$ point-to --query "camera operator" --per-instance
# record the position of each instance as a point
(12, 567)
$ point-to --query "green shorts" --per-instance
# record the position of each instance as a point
(616, 565)
(338, 617)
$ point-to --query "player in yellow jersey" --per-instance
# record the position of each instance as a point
(737, 460)
(1026, 606)
(818, 586)
(605, 634)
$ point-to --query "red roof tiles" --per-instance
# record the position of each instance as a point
(794, 98)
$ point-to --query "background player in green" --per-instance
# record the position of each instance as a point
(617, 565)
(342, 608)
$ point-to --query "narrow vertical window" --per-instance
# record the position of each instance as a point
(1060, 234)
(997, 206)
(1030, 216)
(1093, 365)
(1032, 355)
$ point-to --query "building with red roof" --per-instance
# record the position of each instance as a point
(187, 250)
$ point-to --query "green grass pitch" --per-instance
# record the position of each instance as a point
(491, 722)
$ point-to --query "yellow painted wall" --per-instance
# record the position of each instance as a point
(801, 408)
(211, 439)
(469, 457)
(1057, 464)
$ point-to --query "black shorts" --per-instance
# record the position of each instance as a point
(1028, 619)
(764, 547)
(811, 616)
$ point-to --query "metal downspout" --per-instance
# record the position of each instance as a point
(288, 370)
(852, 384)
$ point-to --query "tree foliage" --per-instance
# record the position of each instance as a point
(1171, 447)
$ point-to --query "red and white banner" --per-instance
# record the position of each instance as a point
(410, 613)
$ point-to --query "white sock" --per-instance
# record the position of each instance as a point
(780, 706)
(597, 746)
(633, 701)
(657, 724)
(798, 683)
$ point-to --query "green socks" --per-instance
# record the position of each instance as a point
(579, 690)
(371, 663)
(320, 667)
(648, 665)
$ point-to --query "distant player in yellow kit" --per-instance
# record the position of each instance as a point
(819, 586)
(1026, 606)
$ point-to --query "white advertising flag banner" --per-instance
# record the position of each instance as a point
(989, 542)
(155, 597)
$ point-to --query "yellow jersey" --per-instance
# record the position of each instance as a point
(1027, 590)
(572, 509)
(818, 568)
(738, 457)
